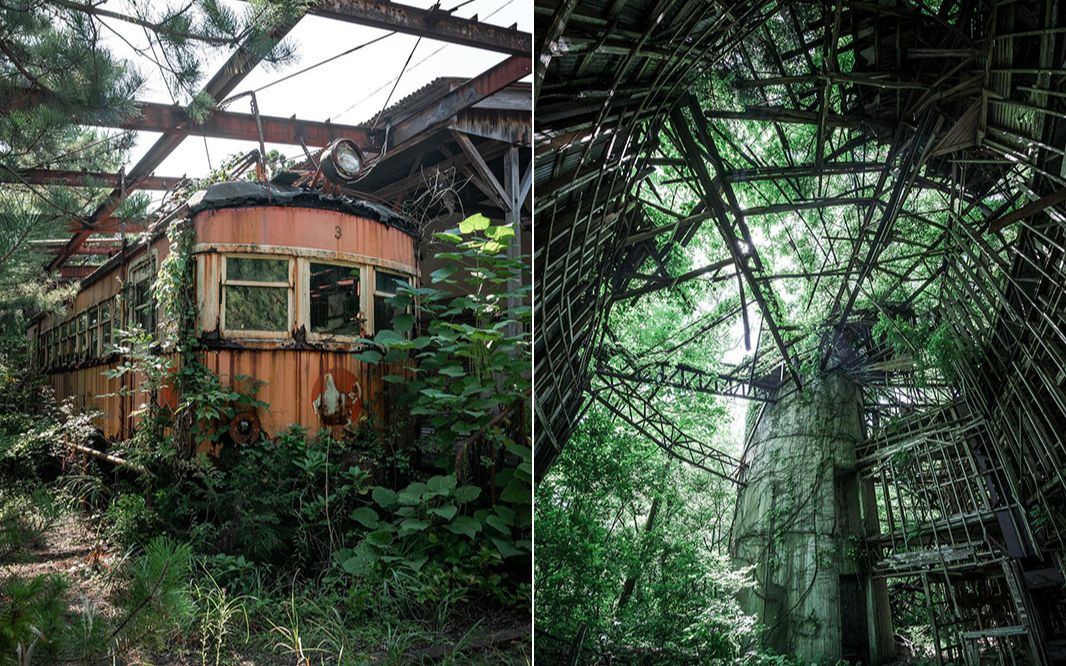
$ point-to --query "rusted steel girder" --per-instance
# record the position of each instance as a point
(107, 247)
(236, 67)
(76, 272)
(434, 23)
(229, 125)
(155, 117)
(110, 225)
(83, 179)
(465, 96)
(733, 231)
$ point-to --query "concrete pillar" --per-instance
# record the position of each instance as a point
(800, 523)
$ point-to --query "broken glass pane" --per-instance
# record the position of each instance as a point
(334, 299)
(386, 286)
(257, 308)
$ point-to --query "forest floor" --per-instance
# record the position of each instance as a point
(71, 548)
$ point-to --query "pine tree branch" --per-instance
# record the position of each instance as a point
(158, 28)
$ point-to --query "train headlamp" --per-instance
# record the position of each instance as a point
(342, 161)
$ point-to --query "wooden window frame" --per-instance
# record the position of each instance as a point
(372, 324)
(107, 308)
(289, 286)
(132, 307)
(304, 272)
(92, 332)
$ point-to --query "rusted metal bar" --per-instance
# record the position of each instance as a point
(623, 400)
(236, 67)
(463, 97)
(75, 271)
(744, 260)
(109, 225)
(90, 247)
(156, 117)
(83, 179)
(1029, 209)
(658, 283)
(433, 23)
(230, 125)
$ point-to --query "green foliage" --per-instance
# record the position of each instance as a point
(32, 615)
(156, 600)
(641, 584)
(432, 522)
(935, 348)
(471, 362)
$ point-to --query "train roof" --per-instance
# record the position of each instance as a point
(238, 194)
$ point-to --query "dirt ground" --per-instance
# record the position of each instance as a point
(69, 547)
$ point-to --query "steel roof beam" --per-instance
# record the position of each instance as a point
(433, 23)
(156, 117)
(436, 114)
(83, 179)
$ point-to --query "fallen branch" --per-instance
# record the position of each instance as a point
(100, 455)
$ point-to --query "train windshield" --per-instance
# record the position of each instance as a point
(335, 299)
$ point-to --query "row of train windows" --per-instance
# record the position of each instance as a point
(256, 297)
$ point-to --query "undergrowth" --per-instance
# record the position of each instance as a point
(366, 546)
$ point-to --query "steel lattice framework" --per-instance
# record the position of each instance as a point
(918, 153)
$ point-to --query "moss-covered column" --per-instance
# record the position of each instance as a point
(799, 522)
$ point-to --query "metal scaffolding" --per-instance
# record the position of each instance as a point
(916, 151)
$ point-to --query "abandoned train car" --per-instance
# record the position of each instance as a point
(286, 280)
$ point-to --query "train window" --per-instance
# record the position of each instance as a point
(334, 299)
(256, 294)
(83, 348)
(386, 285)
(105, 327)
(247, 269)
(69, 331)
(93, 349)
(141, 310)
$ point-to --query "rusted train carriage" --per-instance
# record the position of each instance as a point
(286, 281)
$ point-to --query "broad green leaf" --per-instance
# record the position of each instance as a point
(380, 538)
(410, 525)
(464, 525)
(386, 338)
(517, 492)
(505, 548)
(464, 494)
(476, 222)
(443, 273)
(441, 484)
(447, 511)
(383, 496)
(498, 523)
(365, 516)
(500, 232)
